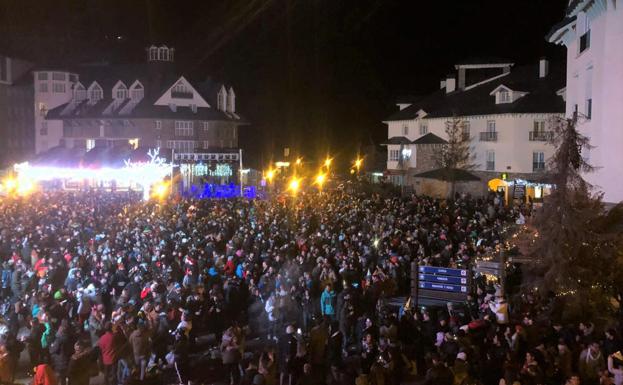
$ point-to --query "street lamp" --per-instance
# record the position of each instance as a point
(270, 174)
(327, 162)
(358, 163)
(299, 161)
(320, 179)
(294, 185)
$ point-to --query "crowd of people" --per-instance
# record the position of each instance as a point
(150, 292)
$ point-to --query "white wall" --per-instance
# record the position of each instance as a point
(598, 71)
(512, 149)
(51, 100)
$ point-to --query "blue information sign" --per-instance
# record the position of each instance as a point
(443, 271)
(443, 287)
(443, 279)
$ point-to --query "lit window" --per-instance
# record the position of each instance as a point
(184, 128)
(90, 144)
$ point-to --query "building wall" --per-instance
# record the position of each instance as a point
(16, 117)
(513, 148)
(217, 135)
(48, 133)
(597, 74)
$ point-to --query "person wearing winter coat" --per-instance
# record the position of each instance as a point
(60, 352)
(79, 366)
(327, 303)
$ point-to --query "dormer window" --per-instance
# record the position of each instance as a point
(504, 96)
(163, 53)
(222, 99)
(153, 53)
(136, 91)
(80, 93)
(120, 91)
(231, 100)
(95, 93)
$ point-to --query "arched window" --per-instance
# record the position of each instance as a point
(153, 53)
(163, 53)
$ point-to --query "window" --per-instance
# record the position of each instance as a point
(465, 127)
(158, 124)
(158, 143)
(491, 126)
(96, 94)
(504, 96)
(206, 144)
(58, 88)
(90, 144)
(423, 128)
(43, 109)
(153, 53)
(585, 40)
(42, 76)
(180, 87)
(206, 126)
(122, 92)
(182, 145)
(539, 126)
(405, 130)
(394, 155)
(137, 92)
(58, 76)
(163, 54)
(43, 131)
(221, 100)
(43, 87)
(490, 156)
(184, 128)
(538, 161)
(80, 93)
(589, 108)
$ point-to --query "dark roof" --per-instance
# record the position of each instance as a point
(407, 99)
(541, 97)
(430, 138)
(397, 140)
(558, 28)
(484, 60)
(448, 174)
(156, 78)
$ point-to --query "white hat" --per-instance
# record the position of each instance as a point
(461, 356)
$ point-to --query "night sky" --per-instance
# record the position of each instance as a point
(315, 75)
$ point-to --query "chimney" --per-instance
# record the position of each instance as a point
(450, 83)
(543, 67)
(461, 78)
(442, 84)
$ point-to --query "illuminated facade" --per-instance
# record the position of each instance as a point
(151, 105)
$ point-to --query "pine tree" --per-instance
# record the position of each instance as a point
(455, 155)
(576, 240)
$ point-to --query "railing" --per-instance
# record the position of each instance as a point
(538, 166)
(541, 136)
(489, 136)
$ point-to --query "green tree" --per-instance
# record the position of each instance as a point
(456, 153)
(575, 246)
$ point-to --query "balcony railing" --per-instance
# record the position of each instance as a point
(538, 166)
(541, 136)
(489, 136)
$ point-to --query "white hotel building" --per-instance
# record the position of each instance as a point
(593, 34)
(506, 110)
